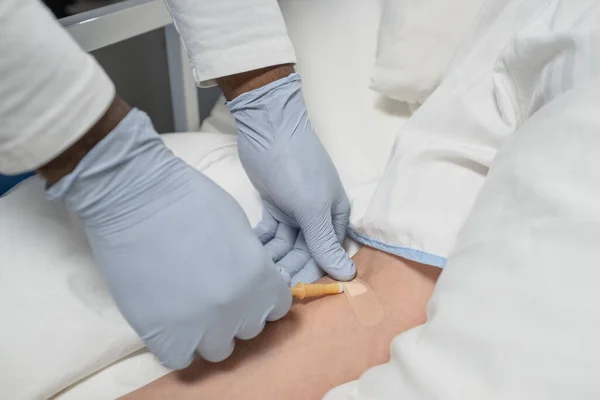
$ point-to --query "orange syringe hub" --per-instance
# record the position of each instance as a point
(302, 290)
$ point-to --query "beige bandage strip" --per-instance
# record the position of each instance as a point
(364, 302)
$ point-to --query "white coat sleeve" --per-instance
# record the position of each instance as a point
(51, 91)
(226, 37)
(514, 315)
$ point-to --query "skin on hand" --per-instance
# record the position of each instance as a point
(65, 163)
(232, 86)
(235, 85)
(317, 346)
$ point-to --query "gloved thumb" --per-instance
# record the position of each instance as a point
(285, 275)
(326, 249)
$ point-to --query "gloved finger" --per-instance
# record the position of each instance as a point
(216, 352)
(217, 341)
(285, 275)
(293, 261)
(254, 324)
(282, 242)
(178, 355)
(310, 273)
(325, 247)
(341, 219)
(266, 228)
(282, 301)
(252, 328)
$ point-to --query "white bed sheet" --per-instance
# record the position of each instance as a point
(118, 379)
(356, 125)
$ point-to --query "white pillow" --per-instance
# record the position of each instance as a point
(416, 42)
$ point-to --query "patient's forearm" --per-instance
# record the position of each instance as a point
(317, 346)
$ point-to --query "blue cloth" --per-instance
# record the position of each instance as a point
(8, 182)
(404, 252)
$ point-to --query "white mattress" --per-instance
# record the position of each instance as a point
(356, 125)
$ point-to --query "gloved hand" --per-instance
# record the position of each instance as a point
(177, 251)
(297, 181)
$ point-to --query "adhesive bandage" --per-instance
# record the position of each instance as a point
(364, 302)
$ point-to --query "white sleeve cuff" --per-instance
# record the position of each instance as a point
(246, 57)
(227, 37)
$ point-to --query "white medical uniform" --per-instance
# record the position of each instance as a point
(515, 314)
(52, 92)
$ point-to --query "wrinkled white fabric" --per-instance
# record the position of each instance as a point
(51, 91)
(416, 42)
(125, 376)
(514, 315)
(442, 154)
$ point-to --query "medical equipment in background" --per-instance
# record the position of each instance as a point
(101, 27)
(104, 26)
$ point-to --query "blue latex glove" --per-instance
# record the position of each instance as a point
(297, 181)
(177, 251)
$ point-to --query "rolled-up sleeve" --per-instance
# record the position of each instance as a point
(51, 91)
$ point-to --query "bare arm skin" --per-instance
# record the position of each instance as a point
(316, 347)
